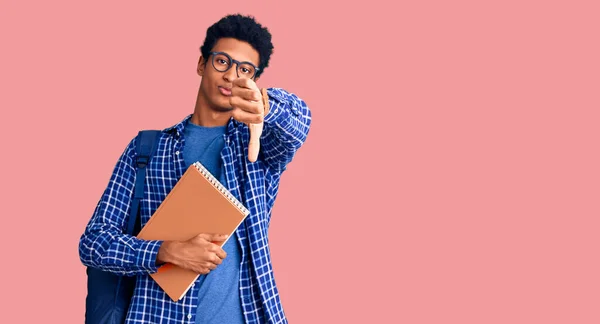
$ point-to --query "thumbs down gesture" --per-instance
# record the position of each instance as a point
(250, 105)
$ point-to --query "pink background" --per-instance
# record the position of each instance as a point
(451, 174)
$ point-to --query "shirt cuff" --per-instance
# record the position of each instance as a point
(280, 109)
(147, 254)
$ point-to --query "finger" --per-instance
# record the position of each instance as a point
(212, 237)
(207, 266)
(265, 100)
(245, 83)
(254, 144)
(200, 238)
(245, 105)
(204, 237)
(247, 117)
(218, 237)
(221, 253)
(247, 94)
(215, 259)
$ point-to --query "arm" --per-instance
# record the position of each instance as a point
(286, 127)
(103, 244)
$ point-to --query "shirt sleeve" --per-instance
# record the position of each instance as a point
(285, 129)
(103, 244)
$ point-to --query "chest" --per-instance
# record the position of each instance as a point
(224, 157)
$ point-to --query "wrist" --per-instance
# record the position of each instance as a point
(167, 253)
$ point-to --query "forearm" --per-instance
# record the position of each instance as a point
(167, 253)
(112, 251)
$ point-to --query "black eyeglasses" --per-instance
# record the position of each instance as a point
(222, 62)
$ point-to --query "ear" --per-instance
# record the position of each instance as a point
(201, 65)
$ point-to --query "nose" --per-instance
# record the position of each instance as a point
(231, 74)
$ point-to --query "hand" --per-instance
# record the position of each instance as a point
(198, 254)
(249, 108)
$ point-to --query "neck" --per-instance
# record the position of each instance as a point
(205, 116)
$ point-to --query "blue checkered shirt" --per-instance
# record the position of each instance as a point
(103, 244)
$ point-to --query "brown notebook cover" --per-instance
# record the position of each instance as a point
(198, 203)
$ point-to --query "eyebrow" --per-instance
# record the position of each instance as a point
(245, 61)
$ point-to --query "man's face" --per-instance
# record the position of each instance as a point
(215, 85)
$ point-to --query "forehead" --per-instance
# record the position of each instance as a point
(238, 50)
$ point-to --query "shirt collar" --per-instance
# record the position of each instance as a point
(179, 127)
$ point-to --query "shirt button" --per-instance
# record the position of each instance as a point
(177, 153)
(189, 316)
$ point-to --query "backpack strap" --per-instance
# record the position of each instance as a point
(146, 145)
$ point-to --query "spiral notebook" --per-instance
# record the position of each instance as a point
(198, 203)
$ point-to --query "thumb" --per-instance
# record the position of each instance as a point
(211, 237)
(254, 145)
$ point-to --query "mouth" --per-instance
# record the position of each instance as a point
(225, 91)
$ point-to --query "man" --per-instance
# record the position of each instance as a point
(236, 283)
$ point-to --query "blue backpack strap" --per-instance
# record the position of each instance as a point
(146, 145)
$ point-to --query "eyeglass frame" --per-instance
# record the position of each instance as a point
(236, 62)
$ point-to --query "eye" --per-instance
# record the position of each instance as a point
(222, 61)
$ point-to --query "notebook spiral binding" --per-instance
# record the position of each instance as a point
(220, 187)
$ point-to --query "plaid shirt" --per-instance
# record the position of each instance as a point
(103, 244)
